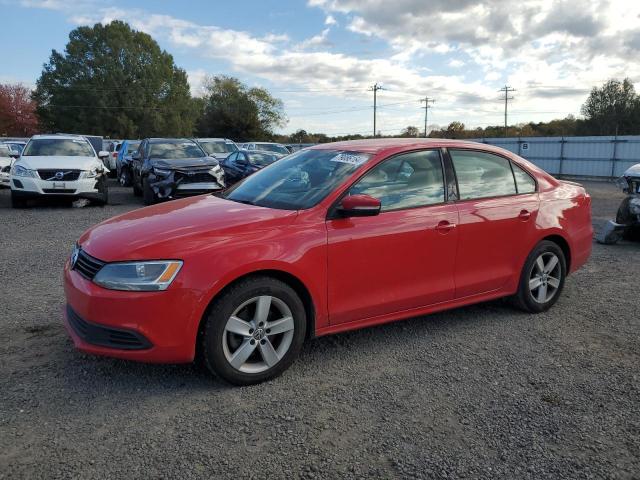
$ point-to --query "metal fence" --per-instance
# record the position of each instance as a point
(606, 157)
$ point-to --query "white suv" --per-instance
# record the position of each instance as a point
(59, 166)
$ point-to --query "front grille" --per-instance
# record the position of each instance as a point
(197, 177)
(66, 175)
(59, 190)
(106, 336)
(87, 266)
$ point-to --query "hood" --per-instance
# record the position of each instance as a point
(633, 171)
(72, 163)
(177, 228)
(184, 163)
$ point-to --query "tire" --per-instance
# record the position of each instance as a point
(625, 217)
(103, 188)
(223, 339)
(137, 191)
(124, 178)
(17, 201)
(147, 193)
(550, 281)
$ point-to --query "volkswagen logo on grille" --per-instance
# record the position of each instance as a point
(59, 175)
(74, 257)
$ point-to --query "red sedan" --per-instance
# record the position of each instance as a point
(332, 238)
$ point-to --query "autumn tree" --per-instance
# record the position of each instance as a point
(17, 111)
(613, 108)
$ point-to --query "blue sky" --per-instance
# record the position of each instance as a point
(320, 56)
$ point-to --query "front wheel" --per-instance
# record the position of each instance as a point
(147, 192)
(542, 278)
(124, 178)
(17, 201)
(254, 331)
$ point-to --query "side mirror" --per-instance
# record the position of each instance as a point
(359, 206)
(14, 154)
(103, 154)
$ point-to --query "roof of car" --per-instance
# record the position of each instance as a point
(376, 145)
(169, 140)
(59, 136)
(214, 140)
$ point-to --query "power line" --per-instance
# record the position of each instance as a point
(506, 89)
(426, 101)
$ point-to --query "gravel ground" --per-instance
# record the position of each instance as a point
(477, 392)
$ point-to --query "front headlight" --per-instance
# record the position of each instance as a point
(140, 276)
(161, 173)
(20, 171)
(216, 169)
(94, 172)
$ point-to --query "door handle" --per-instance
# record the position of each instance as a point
(444, 226)
(524, 215)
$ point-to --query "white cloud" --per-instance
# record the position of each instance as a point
(330, 20)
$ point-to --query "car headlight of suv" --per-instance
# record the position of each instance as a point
(138, 276)
(94, 172)
(20, 171)
(158, 172)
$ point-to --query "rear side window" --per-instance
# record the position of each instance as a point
(406, 181)
(524, 181)
(482, 175)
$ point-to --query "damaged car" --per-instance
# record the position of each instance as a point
(59, 166)
(168, 168)
(627, 224)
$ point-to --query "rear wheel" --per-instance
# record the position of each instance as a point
(542, 278)
(125, 177)
(254, 331)
(147, 192)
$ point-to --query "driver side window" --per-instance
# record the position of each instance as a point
(409, 180)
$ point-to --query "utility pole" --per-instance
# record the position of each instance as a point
(426, 101)
(507, 90)
(375, 89)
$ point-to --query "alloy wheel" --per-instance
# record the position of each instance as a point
(545, 277)
(258, 334)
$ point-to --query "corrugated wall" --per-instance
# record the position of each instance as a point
(579, 156)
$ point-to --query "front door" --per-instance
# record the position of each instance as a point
(402, 258)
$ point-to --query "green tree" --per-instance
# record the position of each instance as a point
(613, 108)
(231, 110)
(112, 80)
(410, 131)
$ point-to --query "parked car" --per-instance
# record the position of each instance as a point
(123, 163)
(166, 168)
(243, 163)
(627, 224)
(276, 148)
(219, 148)
(6, 160)
(16, 145)
(65, 166)
(111, 162)
(331, 238)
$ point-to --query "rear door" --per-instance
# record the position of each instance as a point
(496, 220)
(402, 258)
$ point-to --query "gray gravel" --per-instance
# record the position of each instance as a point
(478, 392)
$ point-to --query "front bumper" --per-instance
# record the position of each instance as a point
(5, 180)
(35, 187)
(165, 323)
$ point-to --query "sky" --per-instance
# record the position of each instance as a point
(321, 57)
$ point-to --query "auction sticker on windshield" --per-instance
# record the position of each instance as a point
(351, 158)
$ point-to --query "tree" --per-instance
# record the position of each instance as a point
(410, 132)
(17, 111)
(115, 81)
(613, 108)
(231, 110)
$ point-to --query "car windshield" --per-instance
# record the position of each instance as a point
(272, 147)
(132, 147)
(261, 159)
(175, 150)
(58, 147)
(218, 147)
(299, 181)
